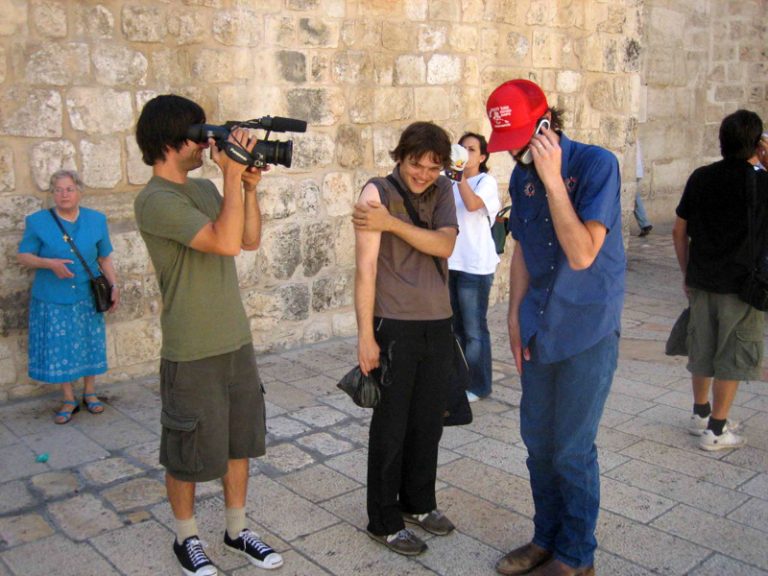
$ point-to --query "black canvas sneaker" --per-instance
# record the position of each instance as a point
(249, 544)
(193, 559)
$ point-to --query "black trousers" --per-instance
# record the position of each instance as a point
(408, 421)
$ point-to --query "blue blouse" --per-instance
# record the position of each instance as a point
(43, 238)
(567, 310)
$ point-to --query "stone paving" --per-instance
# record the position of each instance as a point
(97, 506)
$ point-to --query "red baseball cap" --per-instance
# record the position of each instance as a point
(513, 109)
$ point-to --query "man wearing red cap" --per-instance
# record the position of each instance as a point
(566, 295)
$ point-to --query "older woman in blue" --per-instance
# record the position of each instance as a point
(66, 333)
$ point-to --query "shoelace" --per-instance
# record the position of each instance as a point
(253, 539)
(404, 534)
(196, 553)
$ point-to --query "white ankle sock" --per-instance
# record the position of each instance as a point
(185, 529)
(235, 521)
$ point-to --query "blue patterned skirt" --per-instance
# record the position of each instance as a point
(66, 341)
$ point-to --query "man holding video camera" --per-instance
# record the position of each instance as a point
(566, 295)
(213, 417)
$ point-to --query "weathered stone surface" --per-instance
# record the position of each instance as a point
(317, 247)
(49, 18)
(7, 174)
(384, 140)
(137, 341)
(13, 210)
(277, 198)
(118, 65)
(54, 484)
(316, 32)
(432, 103)
(138, 172)
(14, 17)
(350, 147)
(319, 107)
(14, 496)
(144, 23)
(88, 110)
(288, 302)
(332, 292)
(137, 493)
(188, 28)
(16, 530)
(83, 517)
(339, 193)
(399, 36)
(410, 70)
(361, 33)
(221, 66)
(49, 156)
(238, 27)
(432, 37)
(102, 167)
(281, 249)
(292, 65)
(312, 151)
(59, 64)
(93, 21)
(443, 69)
(31, 113)
(110, 470)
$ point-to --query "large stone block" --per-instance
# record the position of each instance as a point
(102, 162)
(463, 38)
(443, 69)
(118, 65)
(14, 307)
(444, 10)
(7, 173)
(318, 32)
(399, 36)
(99, 110)
(292, 65)
(344, 324)
(320, 68)
(3, 65)
(14, 17)
(240, 102)
(277, 198)
(384, 140)
(308, 197)
(59, 64)
(13, 210)
(432, 103)
(137, 341)
(281, 249)
(31, 113)
(383, 69)
(138, 172)
(49, 17)
(318, 247)
(287, 302)
(47, 157)
(187, 28)
(410, 69)
(516, 46)
(130, 255)
(392, 104)
(338, 193)
(548, 48)
(608, 95)
(239, 27)
(344, 239)
(350, 147)
(93, 21)
(312, 151)
(361, 34)
(280, 31)
(432, 37)
(318, 106)
(352, 67)
(416, 9)
(333, 292)
(144, 23)
(221, 66)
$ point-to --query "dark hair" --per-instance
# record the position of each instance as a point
(423, 138)
(556, 121)
(740, 134)
(163, 124)
(483, 147)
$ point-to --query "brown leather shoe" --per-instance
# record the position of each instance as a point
(522, 560)
(558, 568)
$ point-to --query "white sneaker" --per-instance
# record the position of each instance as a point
(726, 441)
(472, 397)
(698, 424)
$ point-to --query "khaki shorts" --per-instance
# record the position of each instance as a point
(213, 411)
(725, 337)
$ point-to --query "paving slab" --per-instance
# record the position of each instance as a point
(15, 496)
(61, 557)
(318, 483)
(83, 516)
(23, 528)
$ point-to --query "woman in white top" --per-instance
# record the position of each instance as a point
(473, 262)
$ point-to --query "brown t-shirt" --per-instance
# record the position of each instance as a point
(408, 285)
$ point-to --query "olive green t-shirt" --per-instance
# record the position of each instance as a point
(203, 313)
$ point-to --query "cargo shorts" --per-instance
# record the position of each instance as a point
(212, 412)
(725, 337)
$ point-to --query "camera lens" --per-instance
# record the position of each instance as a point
(273, 152)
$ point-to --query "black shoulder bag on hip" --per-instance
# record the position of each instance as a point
(100, 286)
(755, 289)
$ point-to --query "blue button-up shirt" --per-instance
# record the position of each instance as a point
(569, 311)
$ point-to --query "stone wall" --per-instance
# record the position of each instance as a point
(74, 76)
(701, 61)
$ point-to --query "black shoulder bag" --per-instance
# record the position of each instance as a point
(457, 410)
(100, 286)
(755, 289)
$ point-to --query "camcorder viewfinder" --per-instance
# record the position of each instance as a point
(264, 152)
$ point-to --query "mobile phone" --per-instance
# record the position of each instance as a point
(527, 156)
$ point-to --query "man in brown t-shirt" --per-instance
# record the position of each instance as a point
(403, 309)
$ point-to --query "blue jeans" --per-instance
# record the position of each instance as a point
(469, 300)
(560, 411)
(640, 214)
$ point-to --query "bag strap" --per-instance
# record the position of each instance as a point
(415, 218)
(751, 201)
(71, 242)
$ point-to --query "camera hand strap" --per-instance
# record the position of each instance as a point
(236, 152)
(414, 217)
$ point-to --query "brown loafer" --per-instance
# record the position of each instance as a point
(522, 560)
(558, 568)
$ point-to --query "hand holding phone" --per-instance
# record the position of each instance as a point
(527, 156)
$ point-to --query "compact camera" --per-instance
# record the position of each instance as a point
(264, 152)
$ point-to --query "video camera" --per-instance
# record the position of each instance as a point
(264, 152)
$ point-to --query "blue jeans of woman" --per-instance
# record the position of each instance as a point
(469, 300)
(560, 412)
